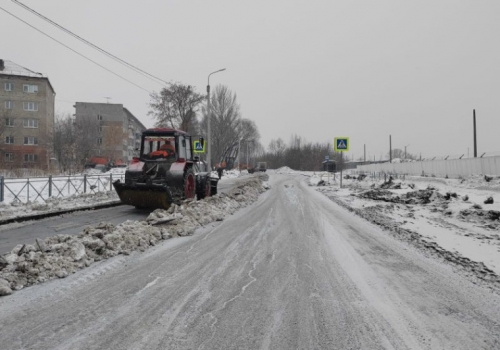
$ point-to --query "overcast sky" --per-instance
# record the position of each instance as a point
(319, 69)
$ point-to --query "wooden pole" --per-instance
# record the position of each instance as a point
(475, 139)
(390, 149)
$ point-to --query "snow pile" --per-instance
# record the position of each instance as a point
(17, 209)
(61, 255)
(285, 170)
(321, 178)
(457, 220)
(231, 174)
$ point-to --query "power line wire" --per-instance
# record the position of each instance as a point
(125, 63)
(66, 46)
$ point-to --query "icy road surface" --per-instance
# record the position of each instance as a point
(292, 271)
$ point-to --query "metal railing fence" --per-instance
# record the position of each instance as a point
(42, 188)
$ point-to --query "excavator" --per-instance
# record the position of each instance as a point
(165, 172)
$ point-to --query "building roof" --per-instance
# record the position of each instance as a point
(11, 68)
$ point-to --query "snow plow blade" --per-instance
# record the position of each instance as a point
(144, 195)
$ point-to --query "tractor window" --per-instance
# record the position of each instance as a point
(156, 147)
(182, 147)
(189, 151)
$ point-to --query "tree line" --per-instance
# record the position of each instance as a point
(298, 154)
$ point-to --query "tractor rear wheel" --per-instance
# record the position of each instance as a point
(189, 184)
(204, 187)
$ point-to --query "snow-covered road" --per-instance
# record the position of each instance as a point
(292, 271)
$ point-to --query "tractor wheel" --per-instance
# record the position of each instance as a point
(204, 189)
(189, 184)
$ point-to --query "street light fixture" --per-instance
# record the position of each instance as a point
(209, 138)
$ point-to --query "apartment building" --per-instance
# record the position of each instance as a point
(27, 101)
(118, 132)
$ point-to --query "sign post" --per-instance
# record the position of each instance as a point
(327, 160)
(341, 144)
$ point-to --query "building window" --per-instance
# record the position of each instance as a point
(9, 157)
(100, 129)
(30, 123)
(30, 106)
(9, 104)
(9, 140)
(30, 158)
(9, 122)
(30, 140)
(99, 141)
(99, 117)
(31, 89)
(8, 86)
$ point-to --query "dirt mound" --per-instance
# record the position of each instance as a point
(378, 194)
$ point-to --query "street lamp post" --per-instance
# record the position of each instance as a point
(209, 137)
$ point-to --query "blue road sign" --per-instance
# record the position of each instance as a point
(199, 147)
(341, 144)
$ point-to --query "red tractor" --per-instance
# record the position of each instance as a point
(165, 172)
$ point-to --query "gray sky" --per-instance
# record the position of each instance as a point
(320, 69)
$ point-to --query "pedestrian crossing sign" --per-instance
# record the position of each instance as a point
(341, 144)
(199, 146)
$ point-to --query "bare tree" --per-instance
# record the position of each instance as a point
(176, 107)
(64, 142)
(86, 139)
(225, 124)
(113, 137)
(298, 155)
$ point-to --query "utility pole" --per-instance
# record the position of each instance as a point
(364, 156)
(209, 115)
(475, 139)
(390, 149)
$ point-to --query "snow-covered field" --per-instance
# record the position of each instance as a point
(457, 219)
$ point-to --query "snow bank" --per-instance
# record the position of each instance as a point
(285, 170)
(61, 255)
(17, 209)
(457, 220)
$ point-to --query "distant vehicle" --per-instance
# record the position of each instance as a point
(261, 166)
(101, 167)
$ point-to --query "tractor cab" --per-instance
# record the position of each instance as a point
(165, 172)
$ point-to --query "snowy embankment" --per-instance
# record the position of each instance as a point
(67, 194)
(16, 210)
(61, 255)
(455, 219)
